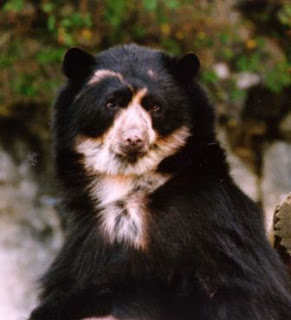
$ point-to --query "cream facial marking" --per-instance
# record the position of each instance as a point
(134, 119)
(100, 75)
(103, 73)
(100, 157)
(104, 154)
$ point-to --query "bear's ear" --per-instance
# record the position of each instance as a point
(77, 63)
(187, 67)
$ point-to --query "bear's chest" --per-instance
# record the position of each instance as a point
(122, 206)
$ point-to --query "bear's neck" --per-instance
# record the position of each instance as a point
(106, 189)
(121, 206)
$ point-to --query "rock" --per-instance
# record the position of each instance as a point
(241, 173)
(30, 235)
(282, 223)
(246, 80)
(282, 231)
(222, 70)
(276, 178)
(244, 177)
(285, 126)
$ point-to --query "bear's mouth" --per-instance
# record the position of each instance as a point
(130, 157)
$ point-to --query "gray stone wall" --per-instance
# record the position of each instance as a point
(30, 232)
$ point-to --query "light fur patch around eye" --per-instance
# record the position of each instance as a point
(99, 158)
(104, 73)
(133, 117)
(97, 77)
(136, 99)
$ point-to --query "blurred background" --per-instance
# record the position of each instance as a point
(245, 52)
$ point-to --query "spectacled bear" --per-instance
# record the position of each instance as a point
(157, 228)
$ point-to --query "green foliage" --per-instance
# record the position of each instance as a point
(150, 4)
(24, 85)
(50, 55)
(115, 12)
(171, 46)
(48, 7)
(250, 63)
(209, 77)
(76, 20)
(6, 61)
(278, 77)
(236, 94)
(47, 28)
(172, 4)
(284, 15)
(14, 6)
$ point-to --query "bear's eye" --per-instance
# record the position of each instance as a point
(152, 104)
(111, 104)
(155, 108)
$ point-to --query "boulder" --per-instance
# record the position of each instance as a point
(276, 178)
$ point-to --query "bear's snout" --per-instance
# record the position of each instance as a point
(134, 142)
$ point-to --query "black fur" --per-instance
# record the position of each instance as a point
(207, 258)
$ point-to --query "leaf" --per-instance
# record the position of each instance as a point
(172, 4)
(14, 6)
(150, 5)
(51, 23)
(209, 76)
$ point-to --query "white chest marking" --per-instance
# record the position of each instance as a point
(112, 188)
(121, 203)
(125, 221)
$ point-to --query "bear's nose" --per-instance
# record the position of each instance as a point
(133, 141)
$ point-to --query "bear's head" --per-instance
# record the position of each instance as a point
(127, 109)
